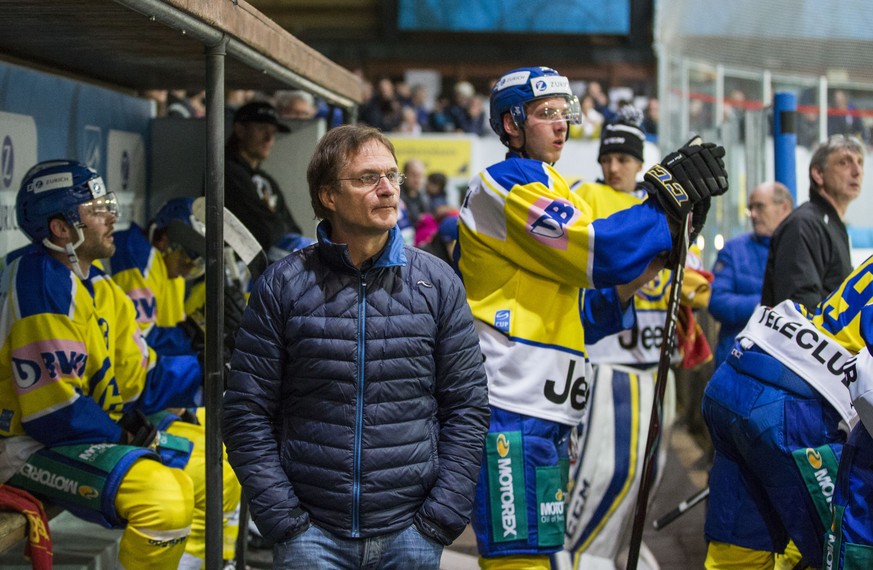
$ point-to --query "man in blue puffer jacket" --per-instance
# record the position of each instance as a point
(356, 406)
(739, 268)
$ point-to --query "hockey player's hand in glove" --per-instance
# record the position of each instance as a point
(138, 430)
(698, 219)
(194, 333)
(685, 181)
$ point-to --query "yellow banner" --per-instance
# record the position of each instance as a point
(449, 156)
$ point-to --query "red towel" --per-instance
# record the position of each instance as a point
(39, 542)
(692, 341)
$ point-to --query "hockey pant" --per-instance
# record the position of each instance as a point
(777, 443)
(849, 542)
(518, 514)
(162, 509)
(118, 486)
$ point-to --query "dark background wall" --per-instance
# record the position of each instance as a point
(364, 35)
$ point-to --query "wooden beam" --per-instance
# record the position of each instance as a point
(244, 22)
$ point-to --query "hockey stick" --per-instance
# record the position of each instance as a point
(668, 343)
(683, 508)
(238, 237)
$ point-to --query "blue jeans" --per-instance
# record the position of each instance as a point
(317, 549)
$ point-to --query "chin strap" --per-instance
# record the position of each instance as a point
(70, 250)
(517, 150)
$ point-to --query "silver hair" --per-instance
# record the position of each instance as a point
(834, 143)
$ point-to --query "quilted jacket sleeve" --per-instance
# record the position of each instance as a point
(462, 398)
(251, 405)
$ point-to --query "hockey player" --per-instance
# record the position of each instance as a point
(528, 248)
(779, 413)
(153, 271)
(849, 541)
(77, 382)
(610, 451)
(160, 273)
(848, 544)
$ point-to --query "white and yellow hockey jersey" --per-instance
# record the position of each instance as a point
(139, 269)
(641, 345)
(529, 246)
(73, 359)
(828, 345)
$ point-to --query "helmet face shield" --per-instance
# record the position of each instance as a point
(106, 204)
(565, 109)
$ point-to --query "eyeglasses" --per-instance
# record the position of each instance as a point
(107, 204)
(756, 207)
(371, 180)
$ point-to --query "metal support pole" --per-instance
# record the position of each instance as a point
(719, 96)
(665, 78)
(685, 103)
(785, 140)
(214, 361)
(822, 108)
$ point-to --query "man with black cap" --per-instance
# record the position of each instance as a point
(621, 152)
(611, 445)
(252, 194)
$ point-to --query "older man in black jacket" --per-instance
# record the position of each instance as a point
(809, 253)
(356, 407)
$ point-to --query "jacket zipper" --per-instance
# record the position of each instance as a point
(359, 409)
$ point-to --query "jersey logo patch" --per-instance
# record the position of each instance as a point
(547, 220)
(6, 419)
(501, 320)
(506, 488)
(33, 367)
(145, 303)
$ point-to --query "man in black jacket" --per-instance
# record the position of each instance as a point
(809, 253)
(356, 408)
(252, 194)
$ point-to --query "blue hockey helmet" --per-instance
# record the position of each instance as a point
(521, 86)
(176, 218)
(57, 188)
(181, 209)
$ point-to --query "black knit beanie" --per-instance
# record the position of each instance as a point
(624, 135)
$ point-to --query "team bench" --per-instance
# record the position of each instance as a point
(13, 526)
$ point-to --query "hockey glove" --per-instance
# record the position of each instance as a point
(687, 177)
(138, 430)
(698, 218)
(194, 332)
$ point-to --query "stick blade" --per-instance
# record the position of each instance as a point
(238, 237)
